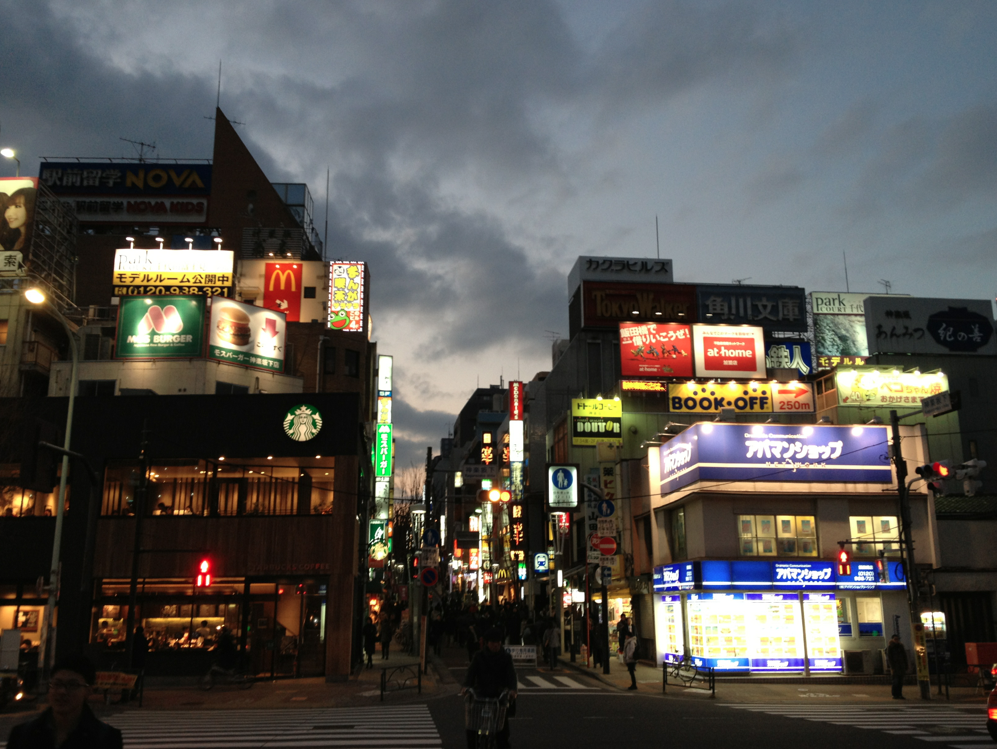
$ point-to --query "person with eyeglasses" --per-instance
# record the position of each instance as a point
(68, 722)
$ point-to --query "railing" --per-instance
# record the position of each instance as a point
(394, 679)
(688, 675)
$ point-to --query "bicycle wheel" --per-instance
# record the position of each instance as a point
(486, 740)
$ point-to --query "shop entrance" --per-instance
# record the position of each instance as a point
(286, 629)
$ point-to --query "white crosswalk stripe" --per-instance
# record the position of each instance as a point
(966, 728)
(382, 727)
(552, 681)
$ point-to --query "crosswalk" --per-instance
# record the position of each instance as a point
(381, 727)
(941, 726)
(529, 682)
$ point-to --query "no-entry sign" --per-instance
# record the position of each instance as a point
(605, 544)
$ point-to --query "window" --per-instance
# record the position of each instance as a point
(228, 388)
(777, 535)
(96, 387)
(870, 616)
(351, 363)
(871, 535)
(678, 534)
(309, 292)
(329, 360)
(3, 332)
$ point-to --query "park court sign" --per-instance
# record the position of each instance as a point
(163, 327)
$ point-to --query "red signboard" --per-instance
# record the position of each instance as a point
(282, 289)
(515, 401)
(649, 349)
(736, 351)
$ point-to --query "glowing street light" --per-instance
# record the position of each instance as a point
(9, 153)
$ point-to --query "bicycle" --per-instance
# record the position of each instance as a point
(485, 715)
(684, 670)
(218, 675)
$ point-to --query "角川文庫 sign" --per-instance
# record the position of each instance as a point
(767, 452)
(162, 327)
(655, 349)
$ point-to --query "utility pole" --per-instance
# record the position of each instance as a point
(917, 628)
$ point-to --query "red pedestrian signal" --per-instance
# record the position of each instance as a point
(204, 573)
(844, 563)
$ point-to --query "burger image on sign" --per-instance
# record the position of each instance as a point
(233, 326)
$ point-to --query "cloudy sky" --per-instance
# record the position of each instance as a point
(477, 148)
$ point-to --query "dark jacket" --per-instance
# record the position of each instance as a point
(89, 734)
(896, 656)
(369, 636)
(490, 673)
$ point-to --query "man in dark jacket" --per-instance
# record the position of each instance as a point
(68, 723)
(491, 672)
(896, 656)
(369, 641)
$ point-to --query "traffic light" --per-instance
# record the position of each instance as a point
(967, 473)
(415, 567)
(882, 570)
(844, 562)
(494, 495)
(934, 474)
(204, 573)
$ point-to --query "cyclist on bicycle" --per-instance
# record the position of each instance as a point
(491, 672)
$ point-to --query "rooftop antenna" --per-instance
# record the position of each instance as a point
(325, 239)
(657, 242)
(740, 281)
(886, 285)
(218, 96)
(845, 258)
(552, 335)
(140, 147)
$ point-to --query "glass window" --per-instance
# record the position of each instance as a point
(872, 535)
(329, 360)
(309, 292)
(351, 363)
(3, 332)
(777, 535)
(870, 616)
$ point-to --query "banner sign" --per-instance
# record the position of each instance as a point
(874, 387)
(644, 386)
(282, 288)
(142, 179)
(172, 272)
(908, 325)
(17, 210)
(382, 450)
(516, 442)
(167, 327)
(839, 323)
(594, 420)
(640, 269)
(702, 398)
(655, 349)
(780, 308)
(729, 351)
(606, 305)
(786, 354)
(769, 452)
(833, 362)
(245, 334)
(674, 577)
(516, 394)
(347, 306)
(378, 543)
(562, 486)
(385, 365)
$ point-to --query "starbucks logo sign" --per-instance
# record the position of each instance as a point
(302, 423)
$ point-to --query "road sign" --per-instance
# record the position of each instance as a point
(605, 508)
(605, 544)
(429, 576)
(562, 486)
(607, 527)
(940, 404)
(431, 537)
(541, 563)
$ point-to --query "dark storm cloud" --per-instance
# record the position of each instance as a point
(422, 429)
(843, 135)
(965, 160)
(778, 177)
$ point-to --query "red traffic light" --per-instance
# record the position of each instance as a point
(940, 469)
(204, 573)
(844, 562)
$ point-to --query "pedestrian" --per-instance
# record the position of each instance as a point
(387, 632)
(68, 721)
(630, 659)
(491, 672)
(896, 657)
(140, 648)
(552, 643)
(369, 640)
(623, 631)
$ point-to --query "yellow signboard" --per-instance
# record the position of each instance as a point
(742, 397)
(874, 387)
(594, 421)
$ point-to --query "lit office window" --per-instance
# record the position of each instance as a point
(777, 535)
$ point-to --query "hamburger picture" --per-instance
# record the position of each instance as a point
(233, 326)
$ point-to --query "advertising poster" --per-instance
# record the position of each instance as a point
(698, 397)
(820, 618)
(282, 289)
(17, 220)
(382, 450)
(245, 334)
(655, 350)
(909, 325)
(775, 641)
(782, 308)
(594, 421)
(606, 305)
(718, 631)
(346, 296)
(165, 327)
(157, 272)
(839, 323)
(729, 352)
(874, 387)
(787, 354)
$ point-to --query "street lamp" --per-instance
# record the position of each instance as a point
(46, 647)
(9, 153)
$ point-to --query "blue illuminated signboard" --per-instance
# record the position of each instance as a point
(766, 452)
(674, 577)
(803, 575)
(864, 577)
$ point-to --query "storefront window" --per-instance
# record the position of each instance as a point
(777, 535)
(22, 503)
(870, 616)
(874, 534)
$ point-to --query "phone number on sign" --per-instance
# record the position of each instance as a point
(170, 291)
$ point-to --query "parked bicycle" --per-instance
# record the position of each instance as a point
(485, 716)
(218, 675)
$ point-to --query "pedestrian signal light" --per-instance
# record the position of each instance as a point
(204, 573)
(844, 562)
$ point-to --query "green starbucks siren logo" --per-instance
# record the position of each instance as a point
(302, 423)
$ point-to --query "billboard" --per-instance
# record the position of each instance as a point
(282, 284)
(17, 215)
(909, 325)
(788, 354)
(839, 324)
(752, 397)
(244, 334)
(872, 387)
(347, 306)
(165, 327)
(382, 450)
(782, 308)
(137, 192)
(516, 400)
(606, 305)
(729, 351)
(769, 452)
(158, 272)
(639, 269)
(653, 349)
(385, 365)
(594, 420)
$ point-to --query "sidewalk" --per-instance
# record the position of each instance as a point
(760, 689)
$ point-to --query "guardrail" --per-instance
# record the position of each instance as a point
(394, 679)
(687, 675)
